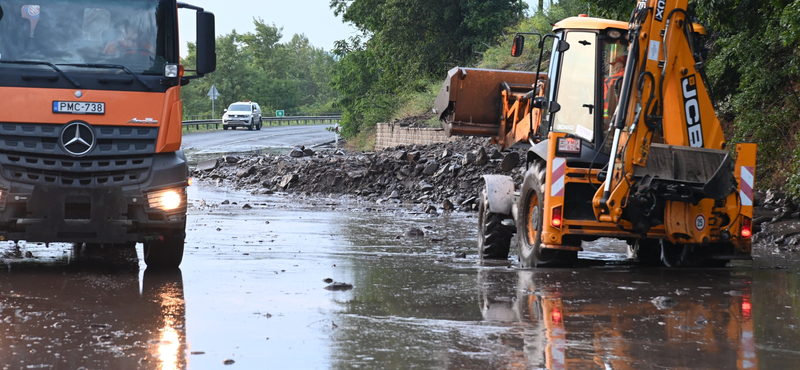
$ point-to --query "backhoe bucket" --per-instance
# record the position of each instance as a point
(687, 174)
(469, 102)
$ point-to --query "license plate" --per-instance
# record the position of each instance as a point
(73, 107)
(569, 145)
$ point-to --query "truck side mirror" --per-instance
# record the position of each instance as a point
(206, 43)
(516, 48)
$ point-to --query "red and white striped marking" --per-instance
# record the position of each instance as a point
(746, 188)
(559, 170)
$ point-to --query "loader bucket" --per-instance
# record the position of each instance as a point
(469, 102)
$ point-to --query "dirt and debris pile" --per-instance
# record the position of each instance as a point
(776, 222)
(443, 176)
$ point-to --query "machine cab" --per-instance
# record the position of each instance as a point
(585, 81)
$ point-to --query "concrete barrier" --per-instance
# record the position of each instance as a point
(392, 134)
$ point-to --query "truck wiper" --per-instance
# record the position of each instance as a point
(37, 62)
(110, 66)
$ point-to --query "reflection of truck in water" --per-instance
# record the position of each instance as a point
(90, 129)
(561, 323)
(73, 317)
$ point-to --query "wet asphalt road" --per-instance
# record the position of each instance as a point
(251, 292)
(277, 139)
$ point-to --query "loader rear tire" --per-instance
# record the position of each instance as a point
(529, 224)
(646, 251)
(494, 238)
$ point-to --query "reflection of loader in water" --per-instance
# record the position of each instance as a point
(618, 326)
(70, 317)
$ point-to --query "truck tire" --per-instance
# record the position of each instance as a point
(166, 253)
(646, 251)
(258, 126)
(494, 238)
(251, 125)
(529, 223)
(224, 127)
(680, 255)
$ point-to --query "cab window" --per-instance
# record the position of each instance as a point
(576, 87)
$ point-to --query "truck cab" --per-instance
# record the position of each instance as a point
(90, 137)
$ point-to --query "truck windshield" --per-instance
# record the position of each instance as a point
(115, 32)
(576, 87)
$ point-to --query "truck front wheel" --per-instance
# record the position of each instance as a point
(529, 224)
(494, 238)
(164, 253)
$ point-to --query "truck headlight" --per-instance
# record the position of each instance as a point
(167, 200)
(170, 200)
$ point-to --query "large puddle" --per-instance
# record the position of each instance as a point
(251, 292)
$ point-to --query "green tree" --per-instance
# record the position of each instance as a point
(293, 76)
(408, 43)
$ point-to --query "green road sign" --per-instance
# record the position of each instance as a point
(278, 113)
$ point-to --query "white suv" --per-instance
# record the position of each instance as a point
(242, 114)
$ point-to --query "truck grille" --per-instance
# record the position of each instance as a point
(30, 153)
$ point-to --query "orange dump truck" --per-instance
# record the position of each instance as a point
(90, 123)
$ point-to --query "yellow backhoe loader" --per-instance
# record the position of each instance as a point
(624, 143)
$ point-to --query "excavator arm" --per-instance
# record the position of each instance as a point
(669, 164)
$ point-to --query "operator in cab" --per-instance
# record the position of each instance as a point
(132, 42)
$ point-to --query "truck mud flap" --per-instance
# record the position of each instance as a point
(76, 214)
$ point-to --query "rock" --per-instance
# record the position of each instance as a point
(510, 161)
(447, 206)
(481, 158)
(231, 159)
(229, 362)
(287, 180)
(469, 159)
(431, 209)
(247, 206)
(414, 233)
(431, 168)
(400, 155)
(226, 202)
(425, 187)
(244, 172)
(308, 152)
(413, 156)
(207, 165)
(337, 286)
(297, 153)
(496, 154)
(663, 303)
(461, 255)
(328, 280)
(394, 195)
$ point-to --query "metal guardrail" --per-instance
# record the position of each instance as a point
(304, 120)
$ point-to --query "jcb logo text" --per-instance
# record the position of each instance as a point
(692, 108)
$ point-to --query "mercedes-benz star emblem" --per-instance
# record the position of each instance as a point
(77, 139)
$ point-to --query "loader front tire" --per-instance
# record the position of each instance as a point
(530, 220)
(494, 238)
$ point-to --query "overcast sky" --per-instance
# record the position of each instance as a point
(314, 18)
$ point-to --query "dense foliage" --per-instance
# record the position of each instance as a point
(293, 76)
(407, 44)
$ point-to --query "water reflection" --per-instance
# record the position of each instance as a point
(619, 319)
(84, 311)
